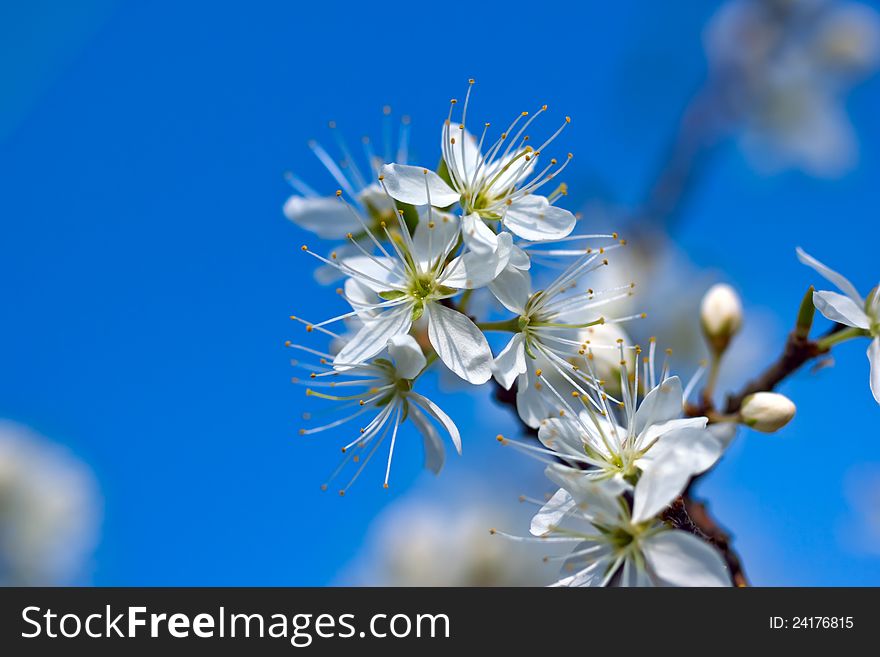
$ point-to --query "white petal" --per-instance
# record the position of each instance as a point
(551, 513)
(519, 258)
(362, 299)
(661, 404)
(512, 287)
(533, 218)
(437, 413)
(413, 185)
(839, 308)
(374, 335)
(465, 152)
(597, 500)
(874, 360)
(408, 357)
(435, 234)
(377, 273)
(696, 449)
(562, 435)
(459, 343)
(656, 430)
(375, 198)
(435, 454)
(510, 363)
(475, 270)
(633, 576)
(531, 403)
(325, 217)
(478, 237)
(840, 281)
(677, 558)
(658, 487)
(593, 567)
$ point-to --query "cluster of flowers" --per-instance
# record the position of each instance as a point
(414, 244)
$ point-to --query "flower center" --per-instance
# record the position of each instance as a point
(422, 287)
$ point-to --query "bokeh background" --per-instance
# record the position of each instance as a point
(150, 433)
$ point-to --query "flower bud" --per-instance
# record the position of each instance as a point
(721, 316)
(766, 411)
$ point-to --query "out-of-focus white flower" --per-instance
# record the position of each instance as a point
(324, 215)
(646, 444)
(720, 316)
(783, 67)
(767, 412)
(851, 309)
(382, 388)
(411, 278)
(611, 547)
(48, 511)
(497, 184)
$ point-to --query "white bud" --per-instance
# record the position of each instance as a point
(720, 315)
(767, 411)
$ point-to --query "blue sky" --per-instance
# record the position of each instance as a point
(149, 273)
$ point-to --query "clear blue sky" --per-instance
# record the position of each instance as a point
(147, 271)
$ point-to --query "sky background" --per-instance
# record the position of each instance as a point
(148, 272)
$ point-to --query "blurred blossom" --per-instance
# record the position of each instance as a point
(669, 288)
(781, 70)
(48, 510)
(439, 542)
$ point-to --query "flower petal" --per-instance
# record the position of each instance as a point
(634, 576)
(471, 270)
(551, 513)
(435, 453)
(435, 235)
(459, 343)
(512, 287)
(325, 216)
(677, 558)
(374, 335)
(408, 357)
(510, 363)
(829, 274)
(839, 308)
(658, 487)
(378, 273)
(874, 360)
(562, 435)
(464, 153)
(533, 218)
(413, 185)
(437, 413)
(531, 403)
(661, 404)
(478, 237)
(519, 258)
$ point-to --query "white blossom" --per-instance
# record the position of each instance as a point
(630, 443)
(850, 309)
(324, 216)
(612, 547)
(411, 278)
(548, 331)
(494, 184)
(381, 390)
